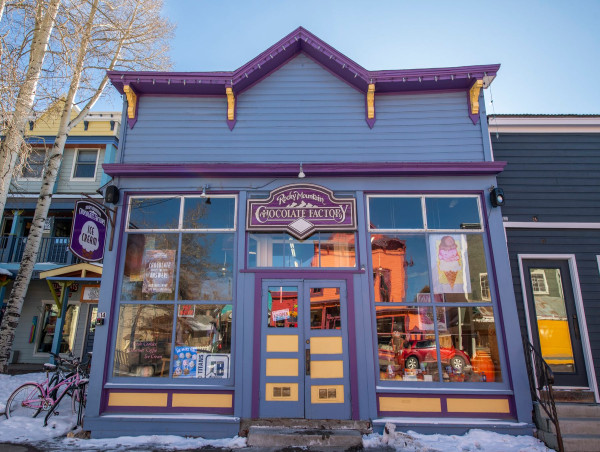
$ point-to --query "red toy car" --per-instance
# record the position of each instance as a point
(425, 352)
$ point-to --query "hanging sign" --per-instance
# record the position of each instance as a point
(88, 232)
(300, 210)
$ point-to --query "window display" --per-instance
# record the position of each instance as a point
(188, 264)
(49, 318)
(434, 263)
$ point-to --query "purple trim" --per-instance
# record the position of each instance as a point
(113, 304)
(355, 413)
(346, 169)
(501, 324)
(256, 359)
(300, 40)
(474, 117)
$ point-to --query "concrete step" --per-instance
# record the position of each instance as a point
(581, 443)
(577, 410)
(303, 437)
(364, 427)
(580, 426)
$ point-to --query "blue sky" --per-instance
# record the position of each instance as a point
(549, 50)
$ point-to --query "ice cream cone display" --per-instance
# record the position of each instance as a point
(451, 277)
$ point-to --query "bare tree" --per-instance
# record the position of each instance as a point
(45, 17)
(128, 35)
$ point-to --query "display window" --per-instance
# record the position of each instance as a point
(434, 312)
(176, 301)
(321, 249)
(49, 317)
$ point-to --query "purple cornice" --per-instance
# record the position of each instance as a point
(301, 40)
(139, 170)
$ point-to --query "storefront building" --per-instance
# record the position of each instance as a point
(303, 238)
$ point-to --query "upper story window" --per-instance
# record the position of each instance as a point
(85, 163)
(34, 168)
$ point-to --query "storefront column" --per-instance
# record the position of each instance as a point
(61, 320)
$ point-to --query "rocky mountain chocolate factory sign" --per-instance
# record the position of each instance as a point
(300, 210)
(88, 231)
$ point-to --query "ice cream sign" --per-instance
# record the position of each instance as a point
(88, 232)
(300, 210)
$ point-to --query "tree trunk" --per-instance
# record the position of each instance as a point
(30, 254)
(11, 145)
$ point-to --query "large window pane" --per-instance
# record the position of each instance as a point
(143, 344)
(457, 261)
(395, 213)
(209, 213)
(206, 269)
(202, 341)
(400, 268)
(149, 270)
(282, 307)
(334, 249)
(154, 213)
(49, 319)
(406, 344)
(325, 308)
(337, 249)
(452, 213)
(468, 344)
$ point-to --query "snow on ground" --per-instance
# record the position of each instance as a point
(53, 437)
(474, 440)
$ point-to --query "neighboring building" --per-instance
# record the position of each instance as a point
(303, 238)
(552, 221)
(90, 143)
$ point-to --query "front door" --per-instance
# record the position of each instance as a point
(88, 343)
(304, 350)
(553, 320)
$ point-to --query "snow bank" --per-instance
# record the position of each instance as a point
(474, 440)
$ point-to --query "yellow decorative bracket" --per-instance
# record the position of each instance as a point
(131, 101)
(230, 104)
(474, 96)
(371, 101)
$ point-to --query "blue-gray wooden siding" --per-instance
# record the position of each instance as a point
(554, 177)
(585, 245)
(64, 181)
(303, 113)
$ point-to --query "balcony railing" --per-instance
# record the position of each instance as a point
(52, 249)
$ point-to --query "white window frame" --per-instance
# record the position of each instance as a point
(543, 274)
(34, 179)
(180, 227)
(73, 166)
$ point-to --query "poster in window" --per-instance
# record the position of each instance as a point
(90, 294)
(213, 365)
(186, 310)
(159, 268)
(449, 263)
(185, 362)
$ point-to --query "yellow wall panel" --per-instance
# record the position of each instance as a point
(417, 404)
(137, 399)
(327, 394)
(478, 405)
(327, 369)
(203, 400)
(282, 343)
(281, 392)
(325, 345)
(282, 367)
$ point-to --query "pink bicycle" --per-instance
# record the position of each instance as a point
(70, 378)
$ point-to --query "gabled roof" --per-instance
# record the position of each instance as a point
(301, 40)
(80, 270)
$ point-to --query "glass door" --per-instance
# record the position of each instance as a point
(553, 320)
(304, 350)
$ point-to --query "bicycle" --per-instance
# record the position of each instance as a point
(30, 399)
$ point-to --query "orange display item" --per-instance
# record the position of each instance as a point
(483, 363)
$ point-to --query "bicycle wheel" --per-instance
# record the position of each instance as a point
(79, 397)
(26, 401)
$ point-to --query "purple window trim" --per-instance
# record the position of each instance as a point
(341, 169)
